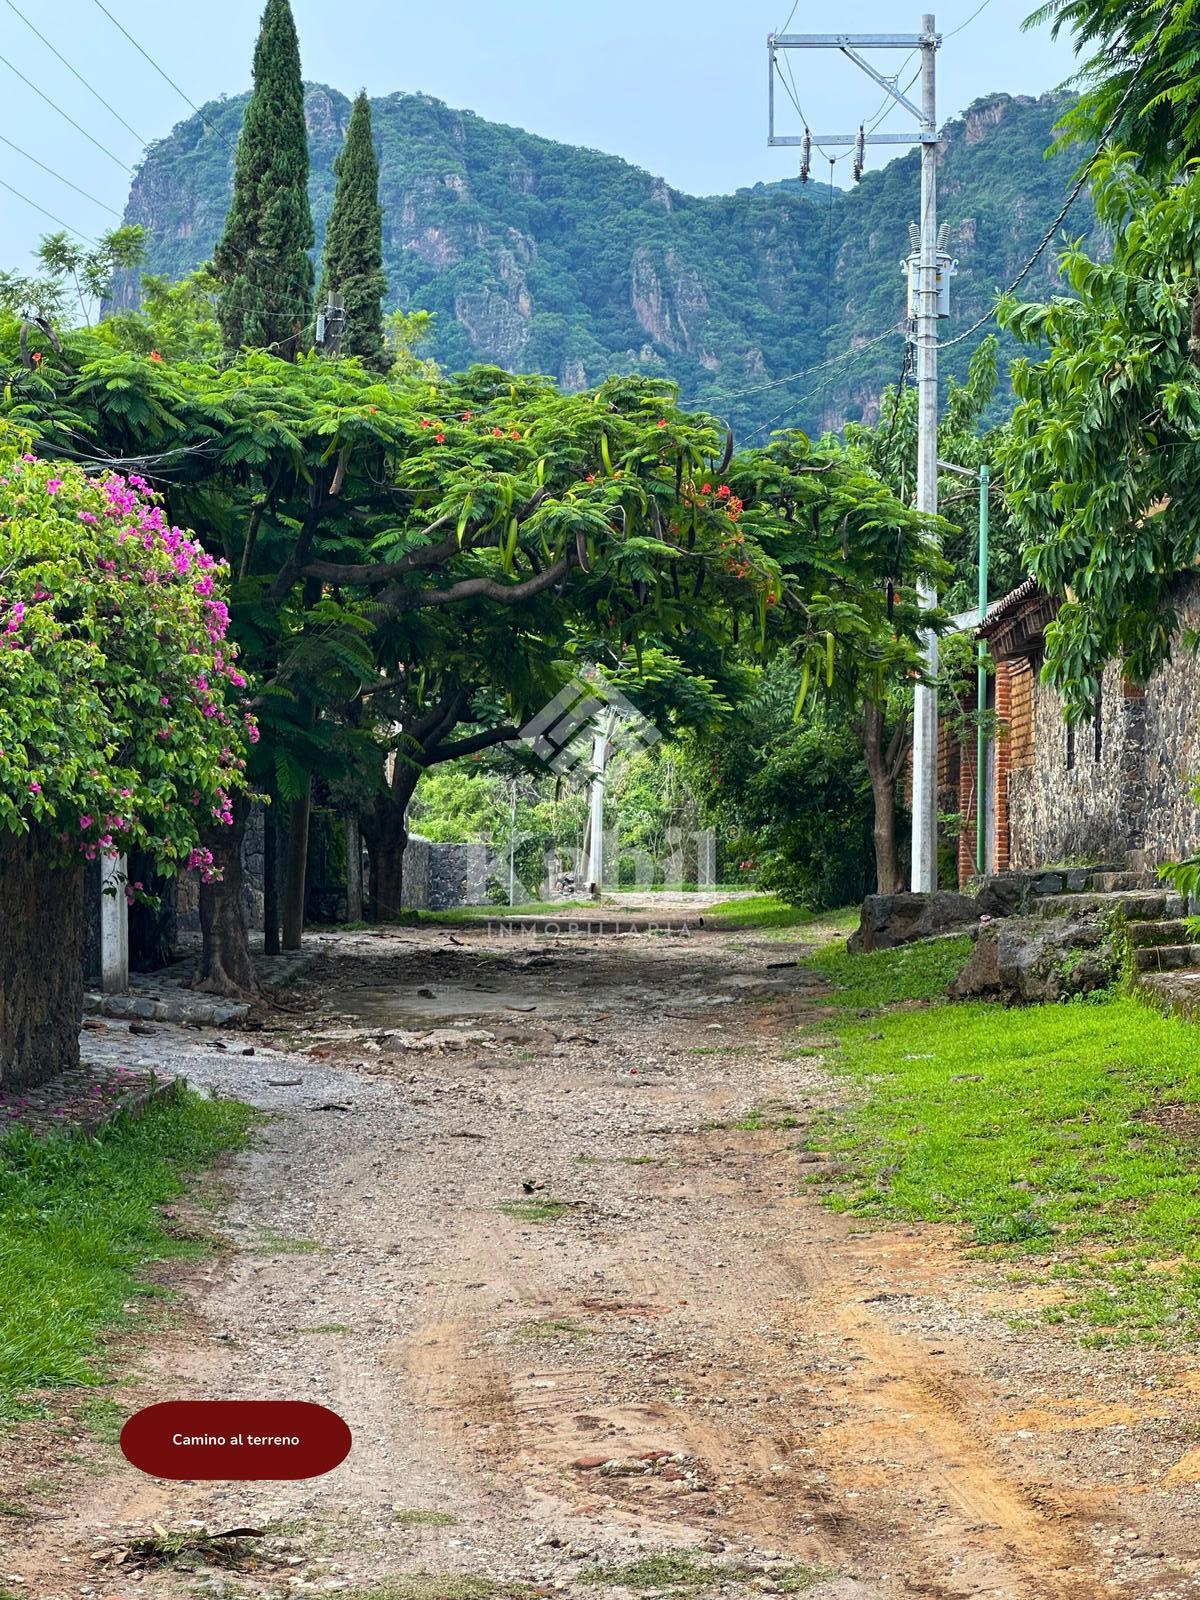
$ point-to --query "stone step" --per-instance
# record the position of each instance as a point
(1172, 931)
(1172, 993)
(1135, 905)
(1166, 957)
(1110, 882)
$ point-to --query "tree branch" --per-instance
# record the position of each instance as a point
(477, 741)
(398, 599)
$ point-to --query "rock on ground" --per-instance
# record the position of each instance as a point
(891, 919)
(1039, 958)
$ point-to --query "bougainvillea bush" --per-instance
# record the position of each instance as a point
(120, 725)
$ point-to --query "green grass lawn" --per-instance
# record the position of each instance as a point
(920, 971)
(78, 1222)
(768, 911)
(1060, 1132)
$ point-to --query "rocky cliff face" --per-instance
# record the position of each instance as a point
(543, 257)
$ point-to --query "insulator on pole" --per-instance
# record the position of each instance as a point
(805, 157)
(860, 153)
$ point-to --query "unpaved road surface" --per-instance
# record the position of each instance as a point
(507, 1224)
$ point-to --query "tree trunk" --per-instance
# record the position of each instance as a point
(387, 835)
(295, 876)
(387, 878)
(41, 961)
(271, 877)
(884, 766)
(354, 874)
(225, 965)
(887, 859)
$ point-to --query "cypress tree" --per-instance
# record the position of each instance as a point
(263, 259)
(353, 265)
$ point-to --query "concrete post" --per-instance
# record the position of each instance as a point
(114, 926)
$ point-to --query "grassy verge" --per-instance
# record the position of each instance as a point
(919, 971)
(1066, 1133)
(768, 911)
(80, 1219)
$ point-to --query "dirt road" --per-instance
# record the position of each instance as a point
(541, 1219)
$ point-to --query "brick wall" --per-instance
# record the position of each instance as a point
(1126, 789)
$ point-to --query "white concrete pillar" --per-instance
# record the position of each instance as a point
(114, 925)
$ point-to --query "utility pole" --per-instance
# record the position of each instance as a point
(601, 740)
(925, 731)
(925, 728)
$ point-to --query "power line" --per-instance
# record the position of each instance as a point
(162, 74)
(794, 405)
(85, 236)
(1076, 189)
(88, 86)
(794, 377)
(969, 21)
(42, 95)
(104, 206)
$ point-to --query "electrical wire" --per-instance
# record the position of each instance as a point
(162, 74)
(66, 117)
(85, 236)
(104, 206)
(789, 83)
(969, 21)
(805, 372)
(791, 14)
(795, 405)
(1076, 190)
(75, 73)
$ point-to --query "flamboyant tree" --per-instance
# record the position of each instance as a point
(262, 261)
(353, 255)
(118, 722)
(351, 510)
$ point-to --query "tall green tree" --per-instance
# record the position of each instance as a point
(353, 265)
(262, 261)
(1101, 465)
(1140, 76)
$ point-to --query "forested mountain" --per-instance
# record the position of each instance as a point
(543, 257)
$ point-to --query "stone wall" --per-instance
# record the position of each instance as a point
(439, 877)
(1171, 757)
(1133, 795)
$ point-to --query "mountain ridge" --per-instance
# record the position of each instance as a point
(543, 256)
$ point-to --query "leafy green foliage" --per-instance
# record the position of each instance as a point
(353, 253)
(263, 259)
(72, 273)
(1101, 460)
(117, 727)
(176, 321)
(1141, 79)
(791, 804)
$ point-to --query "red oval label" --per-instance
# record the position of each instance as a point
(235, 1439)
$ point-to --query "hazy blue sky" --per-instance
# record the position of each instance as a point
(677, 86)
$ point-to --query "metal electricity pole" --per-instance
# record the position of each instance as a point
(924, 809)
(925, 728)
